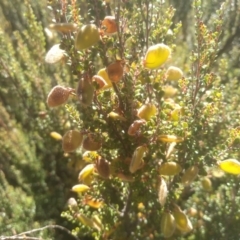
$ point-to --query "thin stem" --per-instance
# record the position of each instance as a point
(125, 212)
(146, 22)
(19, 236)
(119, 33)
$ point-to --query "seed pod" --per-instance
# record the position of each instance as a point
(100, 81)
(103, 73)
(189, 175)
(50, 35)
(206, 184)
(102, 167)
(85, 220)
(182, 221)
(85, 91)
(116, 116)
(189, 226)
(156, 56)
(147, 111)
(109, 25)
(217, 172)
(56, 136)
(86, 37)
(115, 71)
(72, 204)
(93, 202)
(168, 224)
(135, 126)
(71, 140)
(169, 91)
(91, 143)
(162, 192)
(174, 73)
(55, 54)
(86, 171)
(63, 27)
(170, 149)
(137, 159)
(169, 32)
(97, 223)
(170, 138)
(58, 96)
(79, 188)
(231, 166)
(192, 212)
(170, 168)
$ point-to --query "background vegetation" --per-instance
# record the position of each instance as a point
(36, 176)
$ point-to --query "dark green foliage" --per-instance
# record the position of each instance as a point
(29, 158)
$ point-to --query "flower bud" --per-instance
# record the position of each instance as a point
(56, 136)
(103, 73)
(156, 56)
(86, 171)
(206, 184)
(174, 73)
(147, 111)
(231, 166)
(79, 188)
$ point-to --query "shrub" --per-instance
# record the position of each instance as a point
(151, 142)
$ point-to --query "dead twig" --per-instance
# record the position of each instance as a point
(23, 234)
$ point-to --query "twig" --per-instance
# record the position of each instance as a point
(19, 236)
(119, 33)
(146, 23)
(125, 212)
